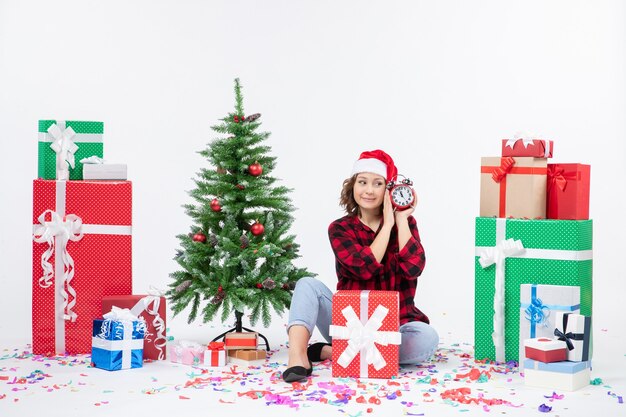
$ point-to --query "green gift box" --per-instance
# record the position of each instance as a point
(511, 252)
(85, 140)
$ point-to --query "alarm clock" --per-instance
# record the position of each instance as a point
(401, 193)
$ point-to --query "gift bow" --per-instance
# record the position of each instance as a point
(526, 140)
(363, 337)
(566, 337)
(506, 164)
(556, 176)
(537, 312)
(120, 314)
(216, 346)
(63, 145)
(64, 229)
(497, 255)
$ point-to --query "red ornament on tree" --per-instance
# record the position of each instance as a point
(199, 237)
(241, 187)
(259, 285)
(255, 169)
(220, 289)
(257, 229)
(215, 205)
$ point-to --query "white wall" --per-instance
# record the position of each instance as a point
(436, 84)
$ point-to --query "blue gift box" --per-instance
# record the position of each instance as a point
(117, 344)
(564, 367)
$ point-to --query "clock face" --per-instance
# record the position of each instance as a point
(402, 196)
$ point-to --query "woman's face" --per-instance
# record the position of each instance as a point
(369, 190)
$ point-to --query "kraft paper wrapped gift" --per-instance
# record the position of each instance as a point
(117, 341)
(241, 340)
(248, 355)
(215, 355)
(575, 330)
(537, 148)
(568, 191)
(545, 350)
(513, 187)
(105, 171)
(564, 376)
(63, 144)
(365, 334)
(539, 308)
(186, 352)
(151, 308)
(511, 252)
(82, 251)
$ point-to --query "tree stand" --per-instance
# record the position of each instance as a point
(238, 329)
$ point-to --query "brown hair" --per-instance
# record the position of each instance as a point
(346, 199)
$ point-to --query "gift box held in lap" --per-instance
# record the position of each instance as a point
(575, 330)
(539, 309)
(215, 355)
(117, 341)
(365, 334)
(82, 251)
(545, 350)
(151, 308)
(241, 340)
(568, 191)
(62, 144)
(556, 376)
(537, 148)
(513, 187)
(511, 252)
(186, 352)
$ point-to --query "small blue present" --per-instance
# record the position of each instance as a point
(117, 341)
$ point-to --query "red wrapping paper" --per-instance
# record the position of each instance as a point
(144, 306)
(390, 323)
(102, 259)
(537, 148)
(568, 191)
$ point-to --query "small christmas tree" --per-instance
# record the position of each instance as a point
(239, 254)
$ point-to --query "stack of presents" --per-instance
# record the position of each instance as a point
(82, 255)
(533, 265)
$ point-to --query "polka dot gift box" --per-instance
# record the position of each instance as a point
(366, 340)
(511, 252)
(82, 251)
(66, 143)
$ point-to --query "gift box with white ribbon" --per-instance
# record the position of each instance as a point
(117, 341)
(366, 340)
(82, 251)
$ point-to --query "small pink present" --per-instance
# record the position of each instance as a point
(186, 352)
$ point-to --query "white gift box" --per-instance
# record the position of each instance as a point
(577, 329)
(538, 307)
(104, 171)
(565, 376)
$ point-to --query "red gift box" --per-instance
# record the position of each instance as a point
(537, 148)
(215, 355)
(241, 340)
(366, 341)
(545, 350)
(152, 309)
(82, 251)
(568, 191)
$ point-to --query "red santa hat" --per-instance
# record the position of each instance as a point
(376, 162)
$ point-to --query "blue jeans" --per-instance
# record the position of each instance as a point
(311, 305)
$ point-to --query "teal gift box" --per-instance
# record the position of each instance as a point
(81, 138)
(511, 252)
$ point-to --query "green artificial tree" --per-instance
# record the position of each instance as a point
(239, 254)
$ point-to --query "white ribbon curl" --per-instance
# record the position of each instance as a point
(362, 338)
(150, 304)
(64, 230)
(64, 147)
(497, 255)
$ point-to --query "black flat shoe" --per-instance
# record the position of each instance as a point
(297, 373)
(314, 352)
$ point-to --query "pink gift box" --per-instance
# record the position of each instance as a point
(186, 352)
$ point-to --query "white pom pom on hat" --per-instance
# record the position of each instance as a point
(376, 162)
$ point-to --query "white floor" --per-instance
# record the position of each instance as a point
(31, 386)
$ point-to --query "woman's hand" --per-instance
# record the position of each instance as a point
(388, 213)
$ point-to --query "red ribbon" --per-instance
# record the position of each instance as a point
(499, 173)
(216, 346)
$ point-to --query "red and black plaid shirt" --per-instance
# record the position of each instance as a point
(358, 269)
